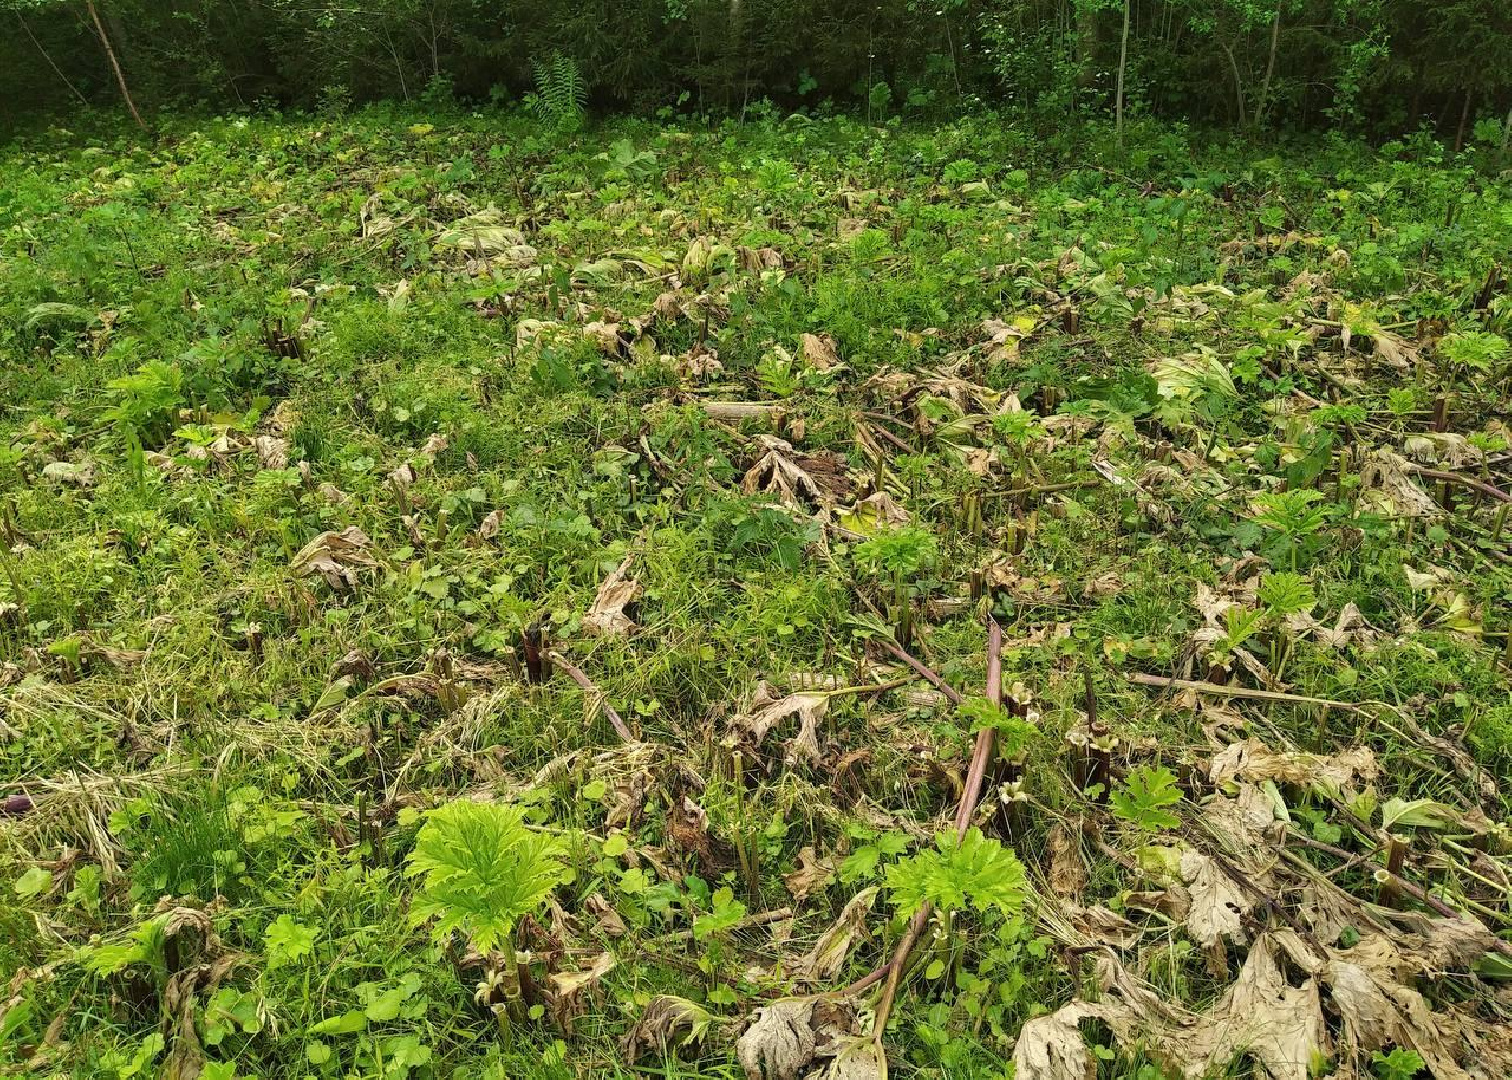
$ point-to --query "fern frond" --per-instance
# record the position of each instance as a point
(561, 94)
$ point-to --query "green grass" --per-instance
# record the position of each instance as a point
(211, 728)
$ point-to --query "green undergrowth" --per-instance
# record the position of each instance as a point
(318, 433)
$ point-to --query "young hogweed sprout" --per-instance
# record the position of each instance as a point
(899, 555)
(482, 870)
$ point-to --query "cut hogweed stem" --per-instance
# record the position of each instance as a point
(1104, 743)
(970, 793)
(1396, 855)
(983, 749)
(587, 686)
(928, 674)
(531, 639)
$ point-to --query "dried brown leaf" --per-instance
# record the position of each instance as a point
(1387, 488)
(816, 479)
(605, 335)
(569, 989)
(766, 713)
(1370, 985)
(1068, 870)
(1349, 628)
(755, 260)
(1052, 1048)
(1263, 1015)
(1394, 351)
(860, 1058)
(688, 830)
(1279, 1025)
(1219, 904)
(848, 228)
(1447, 448)
(780, 1043)
(1102, 925)
(609, 922)
(81, 474)
(827, 958)
(1254, 761)
(787, 1036)
(666, 1023)
(1243, 821)
(607, 618)
(818, 352)
(871, 515)
(1004, 338)
(670, 305)
(120, 659)
(333, 494)
(813, 873)
(335, 556)
(1439, 944)
(272, 451)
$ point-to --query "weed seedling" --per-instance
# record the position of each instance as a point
(1144, 796)
(897, 556)
(1292, 517)
(481, 870)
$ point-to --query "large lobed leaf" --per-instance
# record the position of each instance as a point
(482, 870)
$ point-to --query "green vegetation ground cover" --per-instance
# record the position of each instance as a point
(341, 453)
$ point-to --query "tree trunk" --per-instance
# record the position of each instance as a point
(388, 43)
(1086, 45)
(1459, 135)
(736, 40)
(1507, 132)
(46, 56)
(115, 65)
(1123, 64)
(1415, 104)
(1238, 83)
(955, 71)
(435, 45)
(1270, 68)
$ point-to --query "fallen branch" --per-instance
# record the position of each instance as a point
(1459, 478)
(576, 675)
(1419, 894)
(969, 796)
(890, 437)
(925, 673)
(983, 749)
(759, 919)
(739, 410)
(1218, 690)
(1043, 489)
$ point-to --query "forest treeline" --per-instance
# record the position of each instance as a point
(1368, 65)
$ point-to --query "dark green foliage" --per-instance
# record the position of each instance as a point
(560, 96)
(1395, 65)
